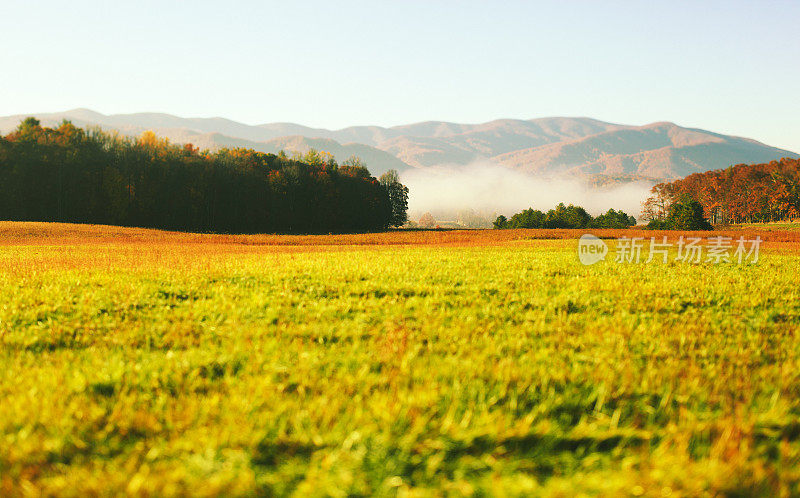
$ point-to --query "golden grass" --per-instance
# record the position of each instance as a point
(35, 233)
(152, 363)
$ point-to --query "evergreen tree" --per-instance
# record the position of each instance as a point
(398, 197)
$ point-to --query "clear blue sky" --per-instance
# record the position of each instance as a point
(732, 66)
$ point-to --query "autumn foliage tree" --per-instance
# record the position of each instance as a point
(427, 221)
(738, 194)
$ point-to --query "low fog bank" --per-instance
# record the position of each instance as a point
(491, 189)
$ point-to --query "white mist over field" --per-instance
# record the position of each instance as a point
(491, 188)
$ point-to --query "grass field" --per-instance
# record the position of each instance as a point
(415, 363)
(768, 226)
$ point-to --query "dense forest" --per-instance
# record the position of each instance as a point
(565, 217)
(739, 194)
(73, 175)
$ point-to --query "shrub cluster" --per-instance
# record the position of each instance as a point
(565, 217)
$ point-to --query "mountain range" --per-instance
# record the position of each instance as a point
(579, 146)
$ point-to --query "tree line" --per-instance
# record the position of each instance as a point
(738, 194)
(565, 217)
(69, 174)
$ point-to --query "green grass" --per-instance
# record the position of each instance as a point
(425, 370)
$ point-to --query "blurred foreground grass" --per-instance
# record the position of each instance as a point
(164, 369)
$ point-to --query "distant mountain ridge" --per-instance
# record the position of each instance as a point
(547, 146)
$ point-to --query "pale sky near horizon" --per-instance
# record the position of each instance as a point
(732, 67)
